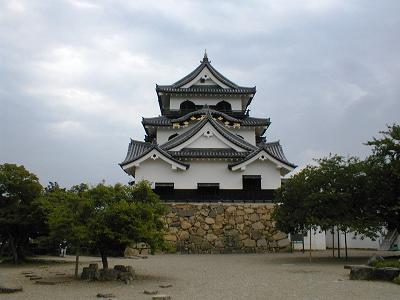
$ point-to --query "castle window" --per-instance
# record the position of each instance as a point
(208, 191)
(187, 105)
(223, 106)
(251, 182)
(164, 189)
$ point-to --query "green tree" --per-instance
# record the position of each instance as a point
(68, 212)
(124, 214)
(326, 196)
(20, 215)
(105, 217)
(384, 177)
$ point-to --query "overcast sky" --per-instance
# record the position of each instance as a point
(77, 76)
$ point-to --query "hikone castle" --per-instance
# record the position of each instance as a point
(211, 160)
(205, 145)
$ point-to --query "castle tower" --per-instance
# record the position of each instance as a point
(205, 146)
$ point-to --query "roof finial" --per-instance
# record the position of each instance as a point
(205, 58)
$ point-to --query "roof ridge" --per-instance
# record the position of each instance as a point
(277, 154)
(233, 138)
(140, 142)
(205, 62)
(185, 135)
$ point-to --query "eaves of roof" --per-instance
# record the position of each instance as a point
(207, 153)
(273, 148)
(138, 149)
(205, 90)
(164, 121)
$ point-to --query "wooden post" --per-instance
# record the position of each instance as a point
(310, 246)
(77, 261)
(345, 242)
(338, 243)
(333, 241)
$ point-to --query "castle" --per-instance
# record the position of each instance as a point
(204, 146)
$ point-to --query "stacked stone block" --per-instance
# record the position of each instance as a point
(223, 228)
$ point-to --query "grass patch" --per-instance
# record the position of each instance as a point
(392, 263)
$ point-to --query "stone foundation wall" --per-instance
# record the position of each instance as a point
(223, 228)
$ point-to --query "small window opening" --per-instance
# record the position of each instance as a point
(251, 182)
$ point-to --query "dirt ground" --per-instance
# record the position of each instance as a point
(239, 276)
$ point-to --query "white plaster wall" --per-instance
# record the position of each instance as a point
(208, 142)
(164, 133)
(247, 133)
(207, 172)
(236, 102)
(203, 143)
(353, 241)
(317, 241)
(270, 175)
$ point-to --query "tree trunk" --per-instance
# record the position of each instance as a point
(3, 245)
(310, 246)
(345, 242)
(104, 259)
(13, 249)
(338, 243)
(77, 261)
(333, 241)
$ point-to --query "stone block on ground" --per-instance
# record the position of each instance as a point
(108, 274)
(121, 268)
(386, 274)
(129, 252)
(126, 276)
(363, 272)
(9, 290)
(90, 273)
(100, 295)
(161, 297)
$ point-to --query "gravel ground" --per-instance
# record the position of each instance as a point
(240, 276)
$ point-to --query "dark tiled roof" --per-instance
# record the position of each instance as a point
(250, 121)
(273, 148)
(164, 121)
(157, 121)
(206, 63)
(205, 90)
(217, 125)
(138, 149)
(208, 153)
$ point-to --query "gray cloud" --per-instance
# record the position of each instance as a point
(76, 76)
